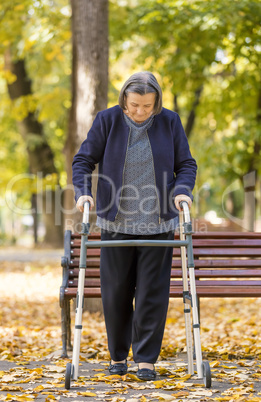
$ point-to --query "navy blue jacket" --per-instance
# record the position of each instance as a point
(106, 144)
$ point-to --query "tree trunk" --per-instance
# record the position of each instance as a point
(176, 106)
(89, 95)
(192, 114)
(35, 217)
(249, 181)
(89, 86)
(40, 156)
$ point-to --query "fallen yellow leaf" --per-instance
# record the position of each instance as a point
(132, 377)
(215, 363)
(159, 383)
(181, 394)
(86, 393)
(19, 398)
(39, 388)
(11, 388)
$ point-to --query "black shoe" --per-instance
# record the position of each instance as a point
(146, 374)
(118, 368)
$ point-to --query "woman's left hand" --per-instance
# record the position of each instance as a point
(182, 197)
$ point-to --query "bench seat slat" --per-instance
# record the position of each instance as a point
(95, 282)
(227, 235)
(199, 263)
(239, 291)
(221, 291)
(246, 273)
(226, 263)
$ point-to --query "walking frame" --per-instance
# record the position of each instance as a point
(189, 292)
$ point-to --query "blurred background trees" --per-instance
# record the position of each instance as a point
(207, 57)
(35, 98)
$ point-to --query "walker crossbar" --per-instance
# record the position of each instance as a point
(143, 243)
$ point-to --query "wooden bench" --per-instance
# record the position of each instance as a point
(227, 264)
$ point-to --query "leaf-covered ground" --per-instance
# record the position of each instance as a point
(31, 368)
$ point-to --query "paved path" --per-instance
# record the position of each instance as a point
(45, 381)
(27, 255)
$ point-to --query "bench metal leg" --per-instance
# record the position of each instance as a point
(65, 303)
(69, 330)
(64, 329)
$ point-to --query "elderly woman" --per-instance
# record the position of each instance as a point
(145, 171)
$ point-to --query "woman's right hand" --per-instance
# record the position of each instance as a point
(81, 201)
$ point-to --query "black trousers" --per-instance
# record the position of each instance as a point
(142, 273)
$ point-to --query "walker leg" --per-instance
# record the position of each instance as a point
(203, 368)
(186, 300)
(78, 324)
(73, 368)
(196, 327)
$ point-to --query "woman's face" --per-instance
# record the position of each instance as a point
(139, 107)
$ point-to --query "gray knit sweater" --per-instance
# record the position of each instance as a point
(139, 211)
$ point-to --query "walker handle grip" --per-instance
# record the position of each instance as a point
(183, 204)
(86, 210)
(185, 207)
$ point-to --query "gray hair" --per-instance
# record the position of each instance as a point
(142, 83)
